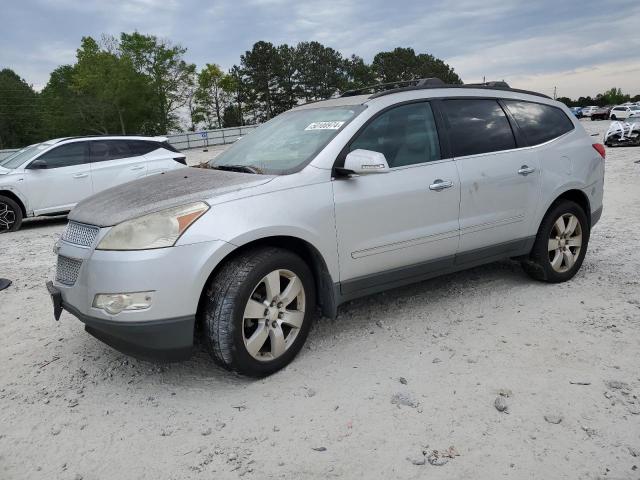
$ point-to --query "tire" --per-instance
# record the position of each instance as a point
(613, 117)
(544, 264)
(239, 291)
(10, 215)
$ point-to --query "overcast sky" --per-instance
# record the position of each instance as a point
(581, 47)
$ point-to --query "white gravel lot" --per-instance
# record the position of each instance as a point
(71, 407)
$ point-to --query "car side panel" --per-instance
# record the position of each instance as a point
(567, 163)
(161, 160)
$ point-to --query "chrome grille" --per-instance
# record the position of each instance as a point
(67, 270)
(80, 234)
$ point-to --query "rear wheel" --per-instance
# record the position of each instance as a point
(258, 311)
(10, 215)
(613, 117)
(561, 243)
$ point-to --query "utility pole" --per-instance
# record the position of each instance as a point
(554, 92)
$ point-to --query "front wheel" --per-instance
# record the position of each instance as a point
(561, 244)
(613, 117)
(258, 310)
(10, 215)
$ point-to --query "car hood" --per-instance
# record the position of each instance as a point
(158, 192)
(4, 171)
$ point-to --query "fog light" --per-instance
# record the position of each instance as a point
(114, 303)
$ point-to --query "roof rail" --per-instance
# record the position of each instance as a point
(500, 85)
(419, 82)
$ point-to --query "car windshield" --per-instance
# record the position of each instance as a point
(21, 156)
(287, 142)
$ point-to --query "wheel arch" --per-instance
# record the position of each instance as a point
(577, 196)
(15, 198)
(325, 292)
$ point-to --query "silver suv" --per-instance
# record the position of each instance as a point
(325, 203)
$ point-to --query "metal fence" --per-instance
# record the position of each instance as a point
(7, 152)
(206, 138)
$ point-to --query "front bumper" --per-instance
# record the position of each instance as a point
(175, 275)
(169, 339)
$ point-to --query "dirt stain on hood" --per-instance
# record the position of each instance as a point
(158, 192)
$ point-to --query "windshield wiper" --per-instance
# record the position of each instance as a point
(238, 168)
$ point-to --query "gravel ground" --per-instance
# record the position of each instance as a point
(481, 374)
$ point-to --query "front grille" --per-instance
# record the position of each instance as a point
(67, 270)
(80, 234)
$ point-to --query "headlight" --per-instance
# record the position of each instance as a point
(156, 230)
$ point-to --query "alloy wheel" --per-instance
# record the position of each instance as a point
(565, 242)
(273, 315)
(7, 217)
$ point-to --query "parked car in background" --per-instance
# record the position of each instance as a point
(620, 112)
(577, 111)
(330, 201)
(587, 111)
(49, 178)
(601, 113)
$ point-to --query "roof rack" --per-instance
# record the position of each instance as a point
(417, 83)
(382, 89)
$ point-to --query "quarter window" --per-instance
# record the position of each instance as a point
(539, 123)
(142, 147)
(66, 155)
(406, 135)
(478, 126)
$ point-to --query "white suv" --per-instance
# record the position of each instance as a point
(621, 112)
(330, 201)
(50, 178)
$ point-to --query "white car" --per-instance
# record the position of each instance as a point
(51, 177)
(588, 111)
(623, 111)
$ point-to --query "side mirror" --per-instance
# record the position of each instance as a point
(38, 165)
(363, 162)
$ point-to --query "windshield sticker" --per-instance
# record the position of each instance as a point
(325, 126)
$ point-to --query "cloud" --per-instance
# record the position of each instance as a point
(578, 44)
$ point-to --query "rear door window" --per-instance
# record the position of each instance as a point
(66, 155)
(104, 150)
(406, 135)
(477, 126)
(539, 123)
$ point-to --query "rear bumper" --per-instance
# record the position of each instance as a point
(595, 216)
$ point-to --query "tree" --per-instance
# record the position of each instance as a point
(19, 111)
(259, 72)
(170, 75)
(320, 71)
(614, 96)
(112, 95)
(210, 95)
(357, 73)
(403, 64)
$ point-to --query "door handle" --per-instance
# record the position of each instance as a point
(81, 175)
(526, 170)
(440, 184)
(137, 167)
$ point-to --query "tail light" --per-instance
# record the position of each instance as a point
(600, 149)
(183, 160)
